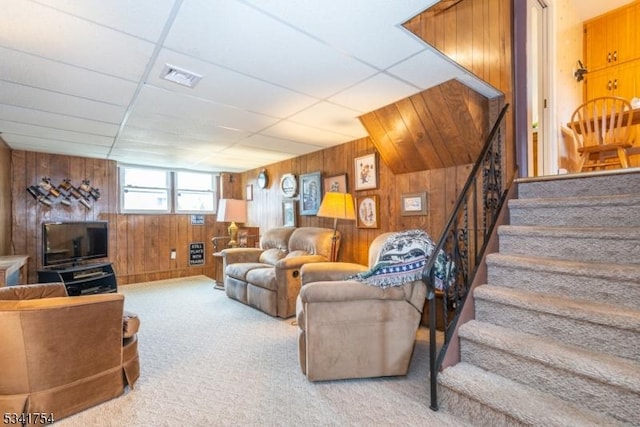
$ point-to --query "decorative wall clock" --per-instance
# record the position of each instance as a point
(289, 185)
(263, 179)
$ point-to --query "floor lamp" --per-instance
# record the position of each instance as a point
(232, 210)
(337, 206)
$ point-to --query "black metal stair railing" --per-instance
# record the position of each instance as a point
(464, 240)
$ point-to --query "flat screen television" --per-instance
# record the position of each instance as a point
(70, 242)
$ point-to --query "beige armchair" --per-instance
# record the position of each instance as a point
(348, 329)
(61, 354)
(268, 278)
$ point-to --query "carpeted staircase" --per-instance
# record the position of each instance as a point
(556, 335)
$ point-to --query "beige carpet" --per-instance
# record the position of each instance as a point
(207, 360)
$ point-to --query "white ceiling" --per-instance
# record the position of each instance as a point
(281, 78)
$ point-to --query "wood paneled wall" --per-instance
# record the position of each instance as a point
(5, 198)
(441, 186)
(477, 34)
(139, 245)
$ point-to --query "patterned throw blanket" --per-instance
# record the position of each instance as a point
(403, 258)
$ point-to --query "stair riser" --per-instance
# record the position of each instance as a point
(588, 249)
(576, 216)
(610, 290)
(615, 401)
(592, 186)
(586, 334)
(472, 411)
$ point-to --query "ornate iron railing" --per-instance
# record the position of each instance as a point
(464, 240)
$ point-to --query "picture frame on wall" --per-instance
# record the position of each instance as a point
(366, 172)
(413, 204)
(249, 191)
(336, 183)
(289, 213)
(368, 212)
(310, 193)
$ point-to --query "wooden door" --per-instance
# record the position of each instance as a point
(595, 44)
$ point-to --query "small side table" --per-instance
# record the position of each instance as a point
(13, 270)
(218, 263)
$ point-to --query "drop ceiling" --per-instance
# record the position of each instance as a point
(279, 78)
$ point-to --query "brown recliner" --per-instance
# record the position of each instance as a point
(268, 278)
(61, 354)
(348, 329)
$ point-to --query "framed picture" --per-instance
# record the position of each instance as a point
(368, 213)
(414, 204)
(310, 193)
(250, 192)
(288, 185)
(336, 183)
(289, 213)
(243, 238)
(366, 172)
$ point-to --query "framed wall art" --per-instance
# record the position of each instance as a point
(289, 213)
(288, 185)
(249, 191)
(368, 212)
(413, 204)
(310, 193)
(336, 183)
(366, 172)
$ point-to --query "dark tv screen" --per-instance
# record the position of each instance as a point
(71, 242)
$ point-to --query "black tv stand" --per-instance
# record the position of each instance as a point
(83, 279)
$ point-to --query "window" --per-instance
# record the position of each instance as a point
(144, 190)
(194, 192)
(147, 190)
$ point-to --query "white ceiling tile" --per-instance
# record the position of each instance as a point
(43, 132)
(143, 18)
(378, 37)
(57, 121)
(286, 146)
(42, 100)
(229, 87)
(305, 134)
(44, 145)
(271, 49)
(329, 116)
(374, 93)
(30, 70)
(40, 30)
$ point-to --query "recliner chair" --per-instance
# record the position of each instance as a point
(348, 329)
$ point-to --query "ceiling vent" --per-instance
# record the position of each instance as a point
(180, 76)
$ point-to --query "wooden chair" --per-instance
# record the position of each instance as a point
(602, 130)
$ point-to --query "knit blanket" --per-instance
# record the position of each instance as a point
(403, 258)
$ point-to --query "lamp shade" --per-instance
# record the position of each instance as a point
(232, 210)
(337, 205)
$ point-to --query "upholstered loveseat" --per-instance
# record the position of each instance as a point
(348, 329)
(268, 278)
(63, 354)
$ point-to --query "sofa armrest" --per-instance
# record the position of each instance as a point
(299, 261)
(349, 290)
(329, 271)
(236, 255)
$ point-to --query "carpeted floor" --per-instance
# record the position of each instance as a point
(207, 360)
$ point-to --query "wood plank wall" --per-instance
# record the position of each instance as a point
(139, 245)
(441, 186)
(5, 198)
(477, 34)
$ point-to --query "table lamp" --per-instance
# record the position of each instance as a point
(232, 210)
(337, 206)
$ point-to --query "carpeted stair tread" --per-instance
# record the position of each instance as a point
(576, 211)
(625, 233)
(601, 313)
(524, 404)
(603, 368)
(592, 325)
(588, 244)
(620, 181)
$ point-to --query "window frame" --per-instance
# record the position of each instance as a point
(176, 191)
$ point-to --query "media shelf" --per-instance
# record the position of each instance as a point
(83, 279)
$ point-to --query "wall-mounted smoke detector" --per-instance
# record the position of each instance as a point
(180, 75)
